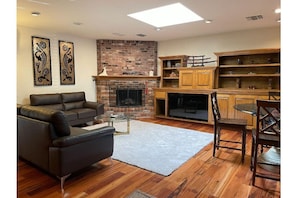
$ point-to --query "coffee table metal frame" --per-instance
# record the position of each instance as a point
(119, 118)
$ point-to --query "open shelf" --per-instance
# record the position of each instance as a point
(249, 69)
(170, 69)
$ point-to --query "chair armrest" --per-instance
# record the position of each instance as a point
(79, 135)
(94, 105)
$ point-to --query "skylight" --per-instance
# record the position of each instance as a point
(168, 15)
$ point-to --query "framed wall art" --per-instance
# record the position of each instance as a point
(67, 72)
(41, 61)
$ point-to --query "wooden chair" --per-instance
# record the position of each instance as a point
(273, 95)
(226, 123)
(267, 133)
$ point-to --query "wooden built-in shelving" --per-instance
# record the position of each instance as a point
(242, 76)
(170, 69)
(249, 69)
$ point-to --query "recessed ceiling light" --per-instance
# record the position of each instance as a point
(118, 34)
(208, 21)
(35, 13)
(172, 14)
(278, 10)
(77, 23)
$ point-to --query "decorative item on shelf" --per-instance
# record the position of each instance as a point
(168, 63)
(173, 74)
(177, 64)
(239, 61)
(151, 73)
(132, 73)
(196, 61)
(270, 83)
(252, 87)
(237, 82)
(103, 73)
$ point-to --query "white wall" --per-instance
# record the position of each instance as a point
(85, 59)
(207, 45)
(85, 52)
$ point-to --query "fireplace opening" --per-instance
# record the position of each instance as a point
(132, 95)
(128, 97)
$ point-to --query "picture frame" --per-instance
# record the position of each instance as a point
(41, 55)
(67, 67)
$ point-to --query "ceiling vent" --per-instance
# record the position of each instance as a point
(254, 18)
(141, 35)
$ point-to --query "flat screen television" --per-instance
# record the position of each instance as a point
(188, 106)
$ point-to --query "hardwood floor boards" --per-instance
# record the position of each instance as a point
(201, 176)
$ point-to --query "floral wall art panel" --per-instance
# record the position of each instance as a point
(41, 61)
(67, 72)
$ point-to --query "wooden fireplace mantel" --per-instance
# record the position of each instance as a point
(126, 77)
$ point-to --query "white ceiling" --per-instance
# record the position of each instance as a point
(107, 19)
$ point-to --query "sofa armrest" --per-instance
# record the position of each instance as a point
(79, 135)
(33, 140)
(95, 105)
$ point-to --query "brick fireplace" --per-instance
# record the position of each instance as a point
(128, 64)
(106, 93)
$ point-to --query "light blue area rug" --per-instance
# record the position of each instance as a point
(157, 148)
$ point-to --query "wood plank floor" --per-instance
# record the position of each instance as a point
(201, 176)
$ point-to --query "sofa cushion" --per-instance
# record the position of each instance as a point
(53, 106)
(73, 97)
(57, 118)
(73, 105)
(85, 112)
(53, 101)
(71, 115)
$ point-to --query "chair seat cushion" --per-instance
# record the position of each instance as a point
(241, 122)
(267, 137)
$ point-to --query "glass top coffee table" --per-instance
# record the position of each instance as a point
(119, 118)
(112, 119)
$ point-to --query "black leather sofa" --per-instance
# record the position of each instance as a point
(47, 140)
(74, 105)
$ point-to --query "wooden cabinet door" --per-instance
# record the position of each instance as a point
(224, 105)
(228, 101)
(203, 79)
(186, 79)
(196, 78)
(244, 99)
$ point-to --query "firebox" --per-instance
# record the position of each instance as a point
(127, 96)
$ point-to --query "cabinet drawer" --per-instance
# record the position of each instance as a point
(160, 94)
